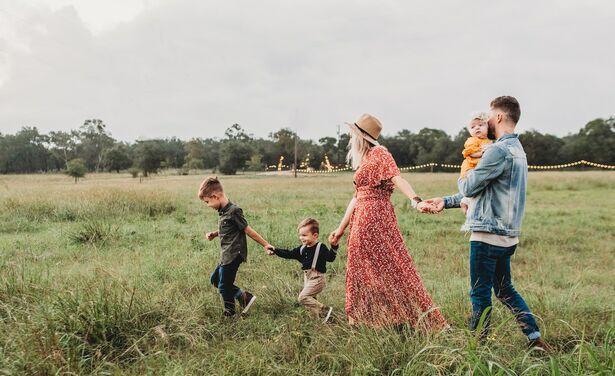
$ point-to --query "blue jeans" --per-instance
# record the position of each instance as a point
(490, 269)
(223, 278)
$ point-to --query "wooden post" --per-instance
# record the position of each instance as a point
(295, 165)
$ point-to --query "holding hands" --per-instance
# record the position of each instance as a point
(335, 236)
(269, 250)
(432, 206)
(211, 235)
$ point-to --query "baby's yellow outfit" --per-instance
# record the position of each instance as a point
(471, 146)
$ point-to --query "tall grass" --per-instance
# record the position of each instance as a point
(112, 277)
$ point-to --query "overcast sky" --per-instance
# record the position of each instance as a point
(191, 68)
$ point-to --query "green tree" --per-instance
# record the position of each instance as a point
(24, 152)
(76, 168)
(63, 145)
(117, 158)
(93, 142)
(255, 163)
(174, 153)
(233, 156)
(149, 154)
(237, 133)
(403, 146)
(433, 145)
(541, 149)
(195, 164)
(284, 143)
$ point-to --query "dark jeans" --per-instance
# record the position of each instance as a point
(223, 278)
(490, 269)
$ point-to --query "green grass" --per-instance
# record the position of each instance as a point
(110, 276)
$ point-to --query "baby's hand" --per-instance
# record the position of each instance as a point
(211, 235)
(269, 249)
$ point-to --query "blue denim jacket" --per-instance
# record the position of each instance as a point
(498, 183)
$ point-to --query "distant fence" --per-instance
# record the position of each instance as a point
(432, 165)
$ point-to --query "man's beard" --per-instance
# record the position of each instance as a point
(491, 133)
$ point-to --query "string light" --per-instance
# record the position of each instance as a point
(331, 169)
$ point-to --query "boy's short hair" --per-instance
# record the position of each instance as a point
(314, 226)
(508, 105)
(210, 186)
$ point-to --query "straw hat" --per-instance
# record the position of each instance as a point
(369, 127)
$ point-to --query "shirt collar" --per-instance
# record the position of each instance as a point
(507, 136)
(223, 210)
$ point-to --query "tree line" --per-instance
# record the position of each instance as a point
(91, 148)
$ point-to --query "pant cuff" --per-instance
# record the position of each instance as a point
(534, 335)
(238, 294)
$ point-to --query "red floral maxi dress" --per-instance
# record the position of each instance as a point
(383, 286)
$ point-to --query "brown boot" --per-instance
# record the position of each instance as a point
(539, 344)
(245, 301)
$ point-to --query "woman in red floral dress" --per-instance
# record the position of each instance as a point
(383, 287)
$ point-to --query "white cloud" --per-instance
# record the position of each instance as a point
(192, 68)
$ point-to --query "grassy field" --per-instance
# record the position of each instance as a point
(111, 276)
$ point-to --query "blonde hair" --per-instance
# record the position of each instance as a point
(314, 226)
(358, 147)
(209, 186)
(479, 115)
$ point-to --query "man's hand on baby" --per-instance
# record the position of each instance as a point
(464, 208)
(269, 249)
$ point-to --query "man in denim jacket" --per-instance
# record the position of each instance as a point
(498, 184)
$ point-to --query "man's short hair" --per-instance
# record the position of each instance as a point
(210, 186)
(314, 226)
(508, 105)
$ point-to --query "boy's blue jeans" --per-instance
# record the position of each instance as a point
(223, 278)
(490, 269)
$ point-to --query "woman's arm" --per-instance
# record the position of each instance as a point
(404, 187)
(339, 232)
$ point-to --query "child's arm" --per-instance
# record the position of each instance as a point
(256, 237)
(287, 254)
(331, 253)
(477, 154)
(211, 235)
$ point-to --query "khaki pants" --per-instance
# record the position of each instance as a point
(313, 284)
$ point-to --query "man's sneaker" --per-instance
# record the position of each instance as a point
(246, 300)
(539, 344)
(328, 315)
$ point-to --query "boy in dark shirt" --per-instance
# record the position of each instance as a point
(232, 230)
(313, 256)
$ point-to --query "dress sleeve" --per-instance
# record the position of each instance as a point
(387, 166)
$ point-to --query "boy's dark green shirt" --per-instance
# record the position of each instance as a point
(231, 226)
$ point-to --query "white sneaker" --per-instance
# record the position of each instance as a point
(248, 300)
(328, 316)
